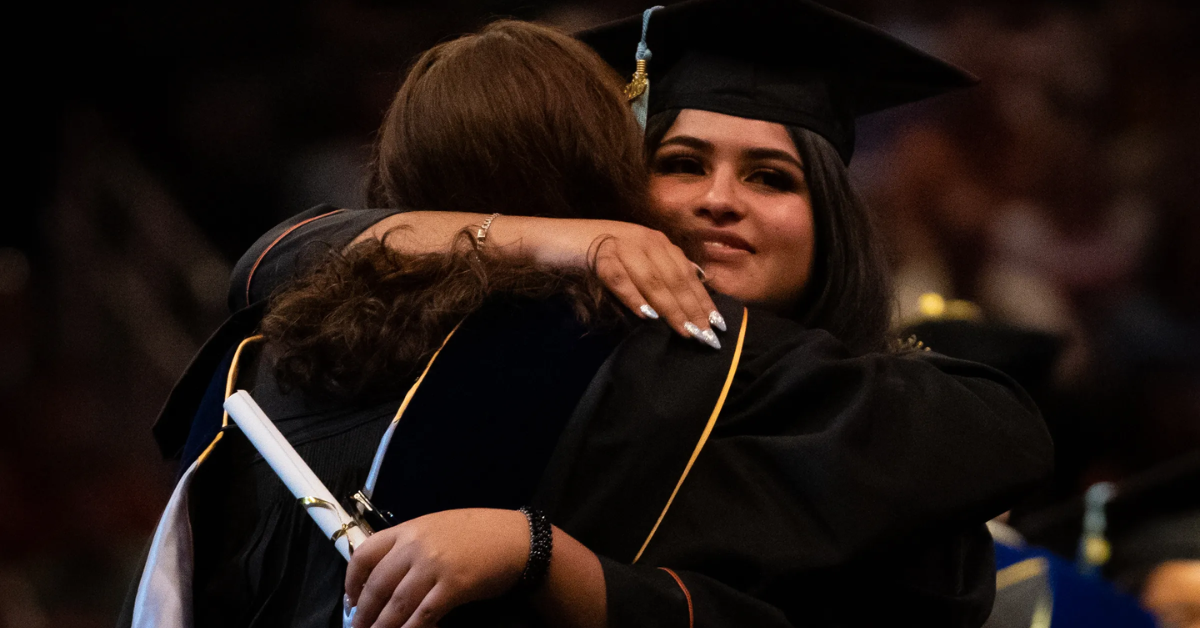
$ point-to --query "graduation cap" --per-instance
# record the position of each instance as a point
(793, 62)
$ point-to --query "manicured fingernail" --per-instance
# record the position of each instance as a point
(346, 605)
(648, 312)
(716, 320)
(707, 336)
(699, 272)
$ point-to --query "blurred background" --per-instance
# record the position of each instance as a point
(156, 141)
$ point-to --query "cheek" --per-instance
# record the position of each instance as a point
(668, 197)
(792, 239)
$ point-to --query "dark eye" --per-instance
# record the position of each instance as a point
(773, 179)
(678, 165)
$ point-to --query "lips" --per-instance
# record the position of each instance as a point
(718, 243)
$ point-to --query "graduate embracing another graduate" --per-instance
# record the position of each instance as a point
(579, 425)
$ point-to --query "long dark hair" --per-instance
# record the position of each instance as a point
(518, 119)
(849, 291)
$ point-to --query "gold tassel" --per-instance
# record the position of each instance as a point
(640, 81)
(638, 93)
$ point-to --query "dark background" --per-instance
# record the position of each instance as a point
(153, 143)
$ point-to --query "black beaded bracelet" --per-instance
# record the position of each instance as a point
(541, 544)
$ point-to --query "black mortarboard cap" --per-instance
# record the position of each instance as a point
(794, 62)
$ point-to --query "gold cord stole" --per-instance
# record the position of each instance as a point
(712, 420)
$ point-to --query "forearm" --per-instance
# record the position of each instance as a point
(422, 232)
(640, 266)
(552, 242)
(573, 595)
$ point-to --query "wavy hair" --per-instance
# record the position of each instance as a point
(519, 119)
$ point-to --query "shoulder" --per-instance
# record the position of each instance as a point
(277, 255)
(774, 341)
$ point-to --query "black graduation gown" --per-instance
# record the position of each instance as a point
(259, 559)
(828, 489)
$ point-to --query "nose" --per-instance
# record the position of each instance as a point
(720, 201)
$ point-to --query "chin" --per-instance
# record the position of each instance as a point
(751, 295)
(755, 296)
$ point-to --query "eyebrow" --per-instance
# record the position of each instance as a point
(774, 153)
(752, 153)
(688, 141)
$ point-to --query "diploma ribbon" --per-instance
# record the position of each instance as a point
(297, 476)
(317, 502)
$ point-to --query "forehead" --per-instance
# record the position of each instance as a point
(726, 132)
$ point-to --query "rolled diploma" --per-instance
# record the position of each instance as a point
(292, 469)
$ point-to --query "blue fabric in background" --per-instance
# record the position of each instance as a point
(1079, 601)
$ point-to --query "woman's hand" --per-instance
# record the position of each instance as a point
(412, 574)
(641, 266)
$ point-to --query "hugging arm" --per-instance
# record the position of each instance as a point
(834, 489)
(949, 582)
(639, 265)
(846, 522)
(413, 574)
(837, 456)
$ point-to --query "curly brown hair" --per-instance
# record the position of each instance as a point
(519, 119)
(368, 319)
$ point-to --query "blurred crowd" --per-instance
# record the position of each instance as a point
(1060, 197)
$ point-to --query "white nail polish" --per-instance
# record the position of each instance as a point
(710, 338)
(648, 312)
(348, 612)
(716, 320)
(707, 336)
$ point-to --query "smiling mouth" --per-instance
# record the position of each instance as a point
(725, 243)
(717, 251)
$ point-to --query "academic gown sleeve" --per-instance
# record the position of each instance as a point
(273, 260)
(289, 246)
(834, 490)
(948, 583)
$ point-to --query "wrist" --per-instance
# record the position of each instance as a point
(541, 548)
(512, 237)
(546, 242)
(570, 242)
(481, 234)
(574, 593)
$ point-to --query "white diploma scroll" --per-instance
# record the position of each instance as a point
(321, 505)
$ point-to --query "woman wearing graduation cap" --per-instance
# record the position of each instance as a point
(832, 476)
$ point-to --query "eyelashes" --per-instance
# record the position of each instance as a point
(678, 165)
(774, 179)
(771, 178)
